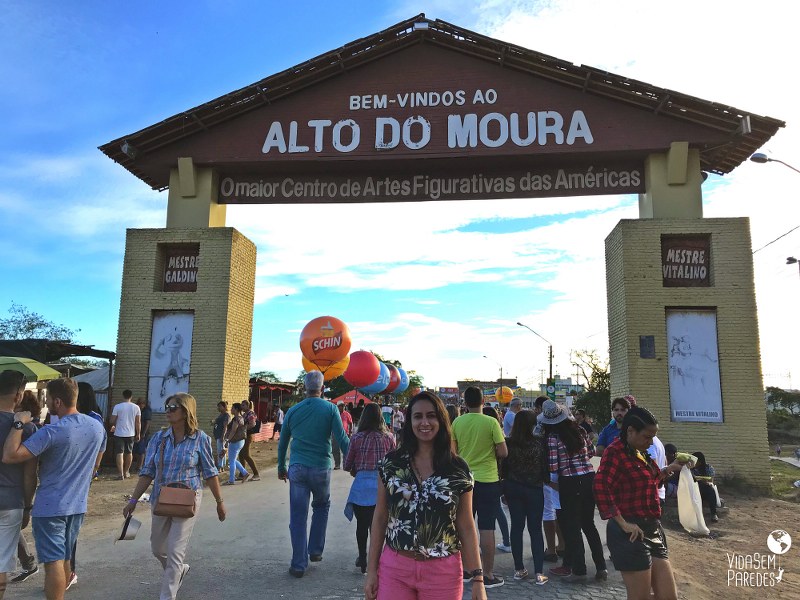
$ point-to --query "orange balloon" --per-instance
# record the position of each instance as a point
(329, 372)
(504, 395)
(325, 341)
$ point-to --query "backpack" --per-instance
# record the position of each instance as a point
(256, 428)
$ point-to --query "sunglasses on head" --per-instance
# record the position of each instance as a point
(171, 407)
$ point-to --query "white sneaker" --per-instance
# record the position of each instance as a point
(503, 548)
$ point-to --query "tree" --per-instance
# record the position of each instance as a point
(26, 324)
(596, 400)
(268, 376)
(786, 399)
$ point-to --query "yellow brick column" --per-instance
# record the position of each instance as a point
(222, 303)
(637, 305)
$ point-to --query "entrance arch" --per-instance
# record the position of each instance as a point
(426, 110)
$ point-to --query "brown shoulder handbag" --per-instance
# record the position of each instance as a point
(174, 499)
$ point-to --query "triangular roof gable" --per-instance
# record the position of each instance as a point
(351, 397)
(626, 118)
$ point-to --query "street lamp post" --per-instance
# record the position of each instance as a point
(761, 158)
(791, 260)
(499, 365)
(548, 343)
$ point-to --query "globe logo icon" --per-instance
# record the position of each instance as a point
(779, 542)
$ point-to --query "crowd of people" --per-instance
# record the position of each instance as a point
(429, 485)
(45, 476)
(429, 489)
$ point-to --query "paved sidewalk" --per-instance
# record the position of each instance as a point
(787, 459)
(247, 556)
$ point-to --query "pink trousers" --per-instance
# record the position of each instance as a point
(403, 578)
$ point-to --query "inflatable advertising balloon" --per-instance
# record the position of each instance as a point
(325, 341)
(394, 379)
(380, 384)
(404, 381)
(504, 395)
(329, 372)
(363, 369)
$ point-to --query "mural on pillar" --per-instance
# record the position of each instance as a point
(170, 354)
(693, 358)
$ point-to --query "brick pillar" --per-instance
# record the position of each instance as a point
(637, 305)
(222, 305)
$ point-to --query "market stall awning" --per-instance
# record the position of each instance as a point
(32, 369)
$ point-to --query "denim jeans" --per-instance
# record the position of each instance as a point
(233, 460)
(308, 483)
(526, 505)
(221, 457)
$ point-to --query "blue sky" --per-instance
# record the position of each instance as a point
(442, 284)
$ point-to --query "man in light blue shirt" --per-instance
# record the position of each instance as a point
(308, 427)
(67, 452)
(508, 420)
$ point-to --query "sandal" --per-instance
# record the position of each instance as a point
(228, 483)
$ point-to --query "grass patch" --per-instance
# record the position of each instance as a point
(783, 476)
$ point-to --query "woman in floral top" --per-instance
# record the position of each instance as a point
(423, 517)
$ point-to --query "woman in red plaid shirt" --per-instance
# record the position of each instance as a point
(626, 491)
(569, 451)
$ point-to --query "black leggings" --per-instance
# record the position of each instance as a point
(708, 496)
(363, 523)
(576, 517)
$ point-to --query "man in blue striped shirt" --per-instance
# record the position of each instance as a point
(308, 427)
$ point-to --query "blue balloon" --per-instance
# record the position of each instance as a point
(404, 381)
(380, 384)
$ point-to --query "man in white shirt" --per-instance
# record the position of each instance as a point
(508, 420)
(126, 425)
(278, 423)
(398, 418)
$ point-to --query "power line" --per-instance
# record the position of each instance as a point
(776, 239)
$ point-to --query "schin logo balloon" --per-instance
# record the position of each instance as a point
(326, 342)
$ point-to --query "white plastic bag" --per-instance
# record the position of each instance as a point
(716, 493)
(690, 505)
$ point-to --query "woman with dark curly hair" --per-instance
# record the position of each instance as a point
(423, 516)
(626, 489)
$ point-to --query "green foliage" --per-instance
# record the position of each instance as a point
(268, 376)
(782, 478)
(785, 399)
(25, 324)
(781, 419)
(596, 400)
(597, 406)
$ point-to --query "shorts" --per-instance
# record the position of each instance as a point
(55, 536)
(277, 427)
(552, 503)
(140, 447)
(486, 502)
(123, 445)
(638, 555)
(10, 525)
